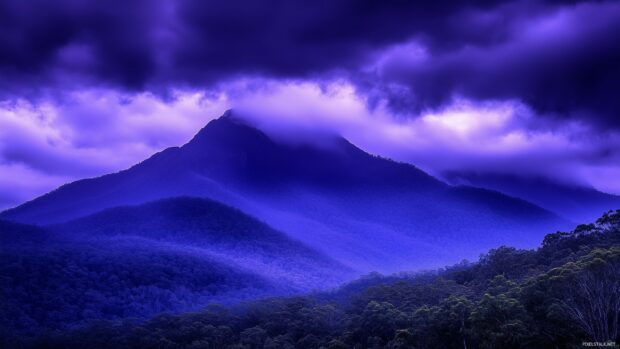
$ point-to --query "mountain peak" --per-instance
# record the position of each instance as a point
(225, 131)
(365, 211)
(230, 125)
(227, 114)
(231, 115)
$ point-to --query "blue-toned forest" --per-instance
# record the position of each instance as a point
(99, 295)
(240, 240)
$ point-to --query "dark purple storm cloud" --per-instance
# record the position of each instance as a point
(88, 87)
(559, 57)
(563, 63)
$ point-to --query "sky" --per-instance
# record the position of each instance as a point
(499, 87)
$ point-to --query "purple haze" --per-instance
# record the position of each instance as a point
(525, 87)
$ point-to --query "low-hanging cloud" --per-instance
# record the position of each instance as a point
(90, 133)
(464, 135)
(100, 131)
(512, 86)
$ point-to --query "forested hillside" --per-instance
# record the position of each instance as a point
(174, 255)
(60, 284)
(562, 294)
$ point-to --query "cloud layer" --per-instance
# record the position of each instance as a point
(491, 85)
(90, 133)
(96, 132)
(559, 57)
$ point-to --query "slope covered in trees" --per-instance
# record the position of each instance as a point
(368, 212)
(212, 228)
(66, 284)
(558, 296)
(173, 255)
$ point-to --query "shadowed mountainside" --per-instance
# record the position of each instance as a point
(365, 211)
(51, 282)
(211, 228)
(171, 255)
(574, 202)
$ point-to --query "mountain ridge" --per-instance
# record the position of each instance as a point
(573, 201)
(365, 211)
(209, 226)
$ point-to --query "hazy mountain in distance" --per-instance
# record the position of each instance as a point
(368, 212)
(210, 228)
(571, 201)
(171, 255)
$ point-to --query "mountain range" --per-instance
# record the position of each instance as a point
(363, 211)
(575, 202)
(238, 214)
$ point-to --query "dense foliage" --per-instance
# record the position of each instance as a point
(225, 233)
(62, 285)
(558, 296)
(173, 255)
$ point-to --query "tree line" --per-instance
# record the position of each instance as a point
(560, 295)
